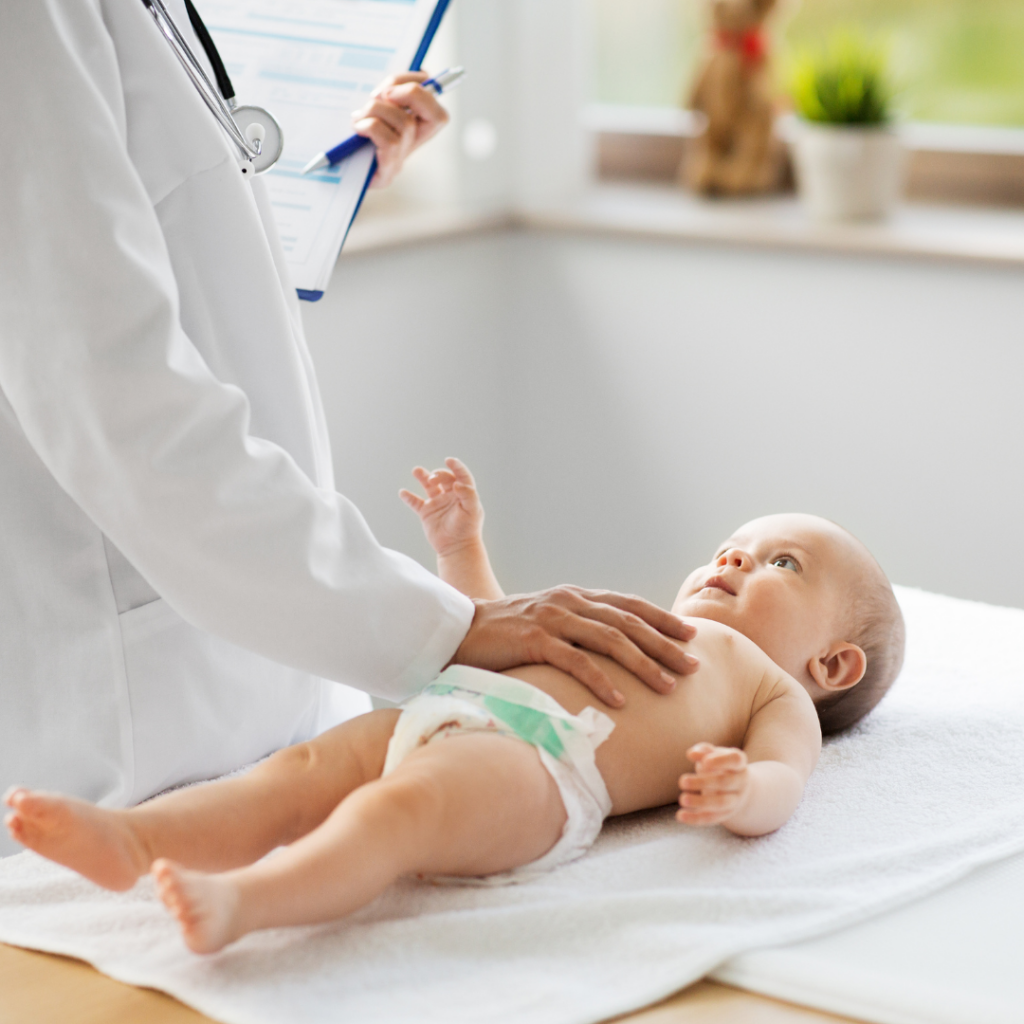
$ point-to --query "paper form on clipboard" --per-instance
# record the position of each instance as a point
(311, 63)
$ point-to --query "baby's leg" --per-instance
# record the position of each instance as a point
(216, 826)
(471, 804)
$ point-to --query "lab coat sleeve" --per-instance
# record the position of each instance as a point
(123, 411)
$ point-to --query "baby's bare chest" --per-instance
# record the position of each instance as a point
(642, 759)
(646, 753)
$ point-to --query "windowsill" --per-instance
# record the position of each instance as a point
(956, 164)
(976, 234)
(951, 232)
(621, 119)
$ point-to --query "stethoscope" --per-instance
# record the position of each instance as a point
(253, 130)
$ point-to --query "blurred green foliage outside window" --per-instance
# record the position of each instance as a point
(955, 61)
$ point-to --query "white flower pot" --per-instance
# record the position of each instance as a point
(847, 172)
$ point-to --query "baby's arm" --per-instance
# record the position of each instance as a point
(453, 520)
(754, 790)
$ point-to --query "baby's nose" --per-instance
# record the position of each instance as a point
(735, 557)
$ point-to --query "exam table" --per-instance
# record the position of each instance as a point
(36, 988)
(934, 935)
(956, 951)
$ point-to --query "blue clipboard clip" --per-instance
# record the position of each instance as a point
(417, 63)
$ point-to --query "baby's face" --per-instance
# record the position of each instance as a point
(783, 581)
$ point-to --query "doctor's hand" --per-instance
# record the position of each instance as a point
(560, 625)
(400, 116)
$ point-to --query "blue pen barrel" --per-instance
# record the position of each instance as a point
(351, 145)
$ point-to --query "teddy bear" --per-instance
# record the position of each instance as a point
(737, 152)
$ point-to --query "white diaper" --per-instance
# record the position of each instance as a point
(467, 699)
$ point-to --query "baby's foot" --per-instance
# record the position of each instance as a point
(96, 843)
(204, 905)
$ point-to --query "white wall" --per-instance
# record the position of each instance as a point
(625, 404)
(528, 76)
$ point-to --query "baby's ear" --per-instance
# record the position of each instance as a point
(841, 667)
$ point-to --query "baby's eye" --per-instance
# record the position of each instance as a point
(785, 562)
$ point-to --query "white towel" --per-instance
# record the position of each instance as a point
(924, 790)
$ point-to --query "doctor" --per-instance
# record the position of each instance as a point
(182, 590)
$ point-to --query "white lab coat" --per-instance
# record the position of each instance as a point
(177, 573)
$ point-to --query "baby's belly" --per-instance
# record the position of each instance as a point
(646, 753)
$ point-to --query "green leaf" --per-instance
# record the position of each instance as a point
(844, 81)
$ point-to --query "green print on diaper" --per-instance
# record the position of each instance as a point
(534, 727)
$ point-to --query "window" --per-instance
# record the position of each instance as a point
(954, 61)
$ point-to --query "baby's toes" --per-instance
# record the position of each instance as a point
(35, 807)
(169, 886)
(27, 831)
(13, 794)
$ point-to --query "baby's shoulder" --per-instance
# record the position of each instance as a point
(727, 645)
(744, 660)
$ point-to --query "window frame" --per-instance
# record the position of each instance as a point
(947, 163)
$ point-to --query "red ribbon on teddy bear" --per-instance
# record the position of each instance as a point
(752, 45)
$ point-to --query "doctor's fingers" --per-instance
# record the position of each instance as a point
(639, 632)
(392, 148)
(391, 140)
(581, 667)
(400, 79)
(401, 121)
(423, 104)
(608, 639)
(661, 620)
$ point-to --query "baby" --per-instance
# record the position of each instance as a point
(494, 777)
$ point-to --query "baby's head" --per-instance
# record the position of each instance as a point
(810, 595)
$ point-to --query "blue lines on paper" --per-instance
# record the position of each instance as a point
(331, 83)
(281, 173)
(298, 39)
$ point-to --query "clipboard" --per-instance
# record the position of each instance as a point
(311, 62)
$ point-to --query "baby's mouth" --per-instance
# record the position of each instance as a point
(717, 583)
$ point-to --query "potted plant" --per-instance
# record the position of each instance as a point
(848, 156)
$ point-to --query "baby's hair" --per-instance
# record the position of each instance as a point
(876, 626)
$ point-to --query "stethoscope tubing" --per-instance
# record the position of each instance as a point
(216, 103)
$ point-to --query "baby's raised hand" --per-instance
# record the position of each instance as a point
(452, 513)
(717, 788)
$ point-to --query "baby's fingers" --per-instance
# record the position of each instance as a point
(433, 483)
(708, 801)
(700, 817)
(414, 501)
(468, 498)
(720, 759)
(460, 471)
(423, 477)
(727, 782)
(726, 761)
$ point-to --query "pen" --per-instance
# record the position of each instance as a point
(445, 80)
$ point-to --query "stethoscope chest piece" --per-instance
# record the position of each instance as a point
(253, 130)
(263, 134)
